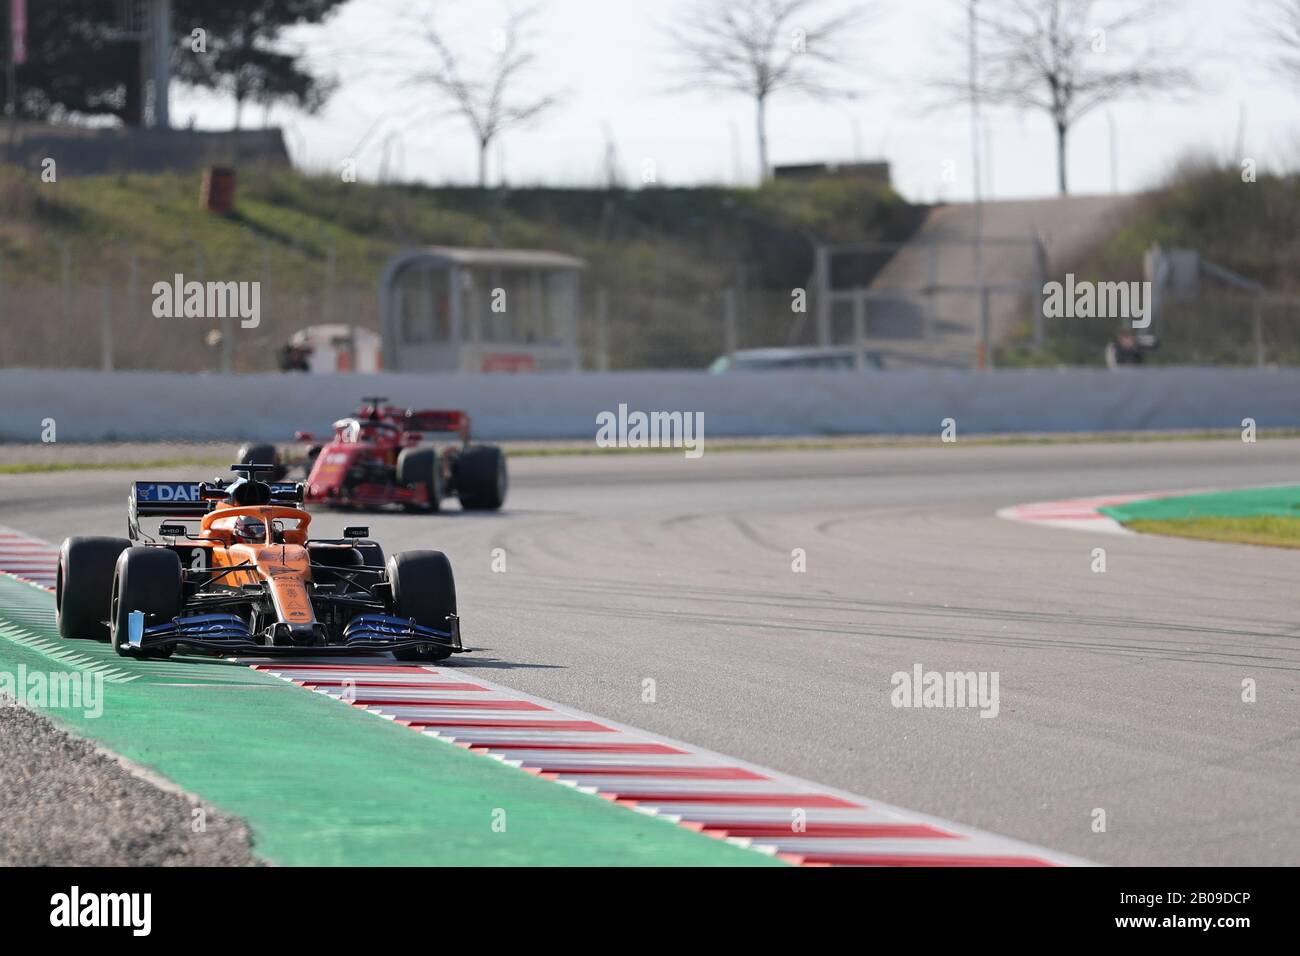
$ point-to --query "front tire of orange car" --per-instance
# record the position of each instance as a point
(424, 589)
(147, 580)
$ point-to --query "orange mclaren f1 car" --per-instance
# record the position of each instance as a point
(250, 580)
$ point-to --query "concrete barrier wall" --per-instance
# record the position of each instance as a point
(130, 406)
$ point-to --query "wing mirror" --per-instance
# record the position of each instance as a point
(173, 530)
(356, 531)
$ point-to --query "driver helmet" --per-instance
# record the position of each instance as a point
(250, 530)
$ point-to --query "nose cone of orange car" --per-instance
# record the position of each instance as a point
(283, 559)
(286, 568)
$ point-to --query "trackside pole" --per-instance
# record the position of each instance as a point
(860, 330)
(160, 35)
(729, 320)
(106, 327)
(602, 329)
(1258, 316)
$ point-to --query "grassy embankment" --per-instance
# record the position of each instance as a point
(663, 254)
(1246, 227)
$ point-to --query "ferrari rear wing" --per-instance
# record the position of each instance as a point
(437, 420)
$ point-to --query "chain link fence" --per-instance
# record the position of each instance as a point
(108, 325)
(97, 313)
(101, 316)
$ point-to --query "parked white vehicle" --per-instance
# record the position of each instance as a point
(818, 357)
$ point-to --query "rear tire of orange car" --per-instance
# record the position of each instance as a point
(419, 467)
(148, 580)
(424, 589)
(83, 585)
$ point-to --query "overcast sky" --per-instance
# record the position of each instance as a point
(613, 66)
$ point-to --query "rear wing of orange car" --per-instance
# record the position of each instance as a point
(185, 500)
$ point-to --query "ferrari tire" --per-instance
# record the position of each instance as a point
(418, 467)
(481, 478)
(252, 453)
(424, 589)
(83, 585)
(309, 461)
(148, 580)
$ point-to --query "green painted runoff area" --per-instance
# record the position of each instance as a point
(322, 783)
(1277, 501)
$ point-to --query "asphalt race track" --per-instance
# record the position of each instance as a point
(1119, 691)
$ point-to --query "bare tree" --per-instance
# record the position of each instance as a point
(1064, 57)
(760, 48)
(1283, 30)
(486, 100)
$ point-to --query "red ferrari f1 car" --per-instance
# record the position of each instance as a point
(380, 457)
